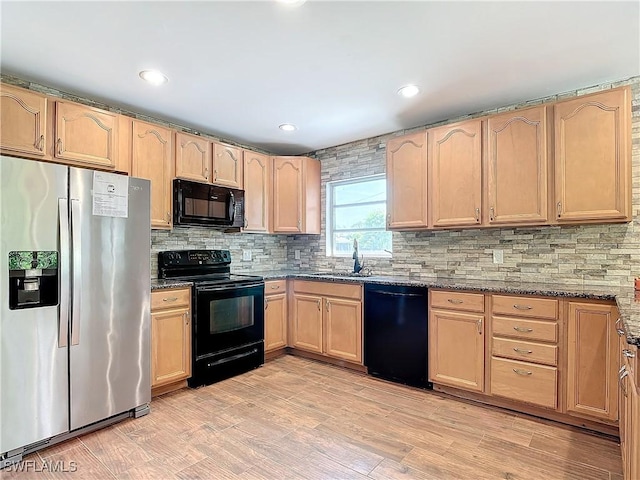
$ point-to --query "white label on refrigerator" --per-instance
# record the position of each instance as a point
(110, 195)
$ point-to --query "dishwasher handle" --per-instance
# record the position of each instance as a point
(394, 294)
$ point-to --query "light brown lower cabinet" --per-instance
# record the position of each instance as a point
(592, 366)
(275, 315)
(456, 340)
(629, 408)
(170, 338)
(326, 318)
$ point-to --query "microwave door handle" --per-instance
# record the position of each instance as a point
(232, 207)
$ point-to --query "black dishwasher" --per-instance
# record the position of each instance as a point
(395, 333)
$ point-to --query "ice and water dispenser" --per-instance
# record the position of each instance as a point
(33, 279)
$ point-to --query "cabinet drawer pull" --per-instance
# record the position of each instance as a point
(479, 326)
(215, 174)
(319, 304)
(492, 214)
(275, 287)
(628, 353)
(478, 215)
(623, 373)
(206, 173)
(559, 207)
(40, 143)
(328, 304)
(520, 329)
(170, 299)
(522, 307)
(455, 301)
(526, 373)
(518, 350)
(59, 146)
(618, 329)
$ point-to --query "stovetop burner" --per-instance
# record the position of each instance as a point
(200, 266)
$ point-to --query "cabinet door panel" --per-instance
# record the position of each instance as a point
(456, 349)
(307, 323)
(343, 329)
(592, 383)
(170, 346)
(455, 181)
(407, 181)
(86, 135)
(517, 167)
(275, 322)
(257, 195)
(23, 121)
(193, 157)
(592, 157)
(227, 165)
(151, 159)
(287, 195)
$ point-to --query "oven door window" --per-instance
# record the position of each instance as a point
(227, 318)
(229, 314)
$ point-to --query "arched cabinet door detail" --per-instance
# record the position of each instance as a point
(592, 158)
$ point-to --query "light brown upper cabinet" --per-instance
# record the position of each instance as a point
(592, 158)
(257, 192)
(23, 122)
(454, 171)
(227, 165)
(296, 195)
(407, 181)
(516, 166)
(193, 157)
(86, 135)
(151, 159)
(592, 367)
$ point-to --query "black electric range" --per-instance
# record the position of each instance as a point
(227, 313)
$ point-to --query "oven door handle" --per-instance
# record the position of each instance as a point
(227, 287)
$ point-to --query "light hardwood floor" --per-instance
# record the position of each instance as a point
(296, 418)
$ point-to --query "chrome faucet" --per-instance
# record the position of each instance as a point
(357, 265)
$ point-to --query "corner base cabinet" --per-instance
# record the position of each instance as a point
(170, 338)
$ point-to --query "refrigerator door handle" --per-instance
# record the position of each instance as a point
(63, 314)
(76, 244)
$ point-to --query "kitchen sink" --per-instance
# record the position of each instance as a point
(341, 274)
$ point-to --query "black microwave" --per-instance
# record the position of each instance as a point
(196, 203)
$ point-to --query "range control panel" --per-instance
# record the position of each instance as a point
(193, 257)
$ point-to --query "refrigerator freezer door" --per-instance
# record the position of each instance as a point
(33, 362)
(109, 348)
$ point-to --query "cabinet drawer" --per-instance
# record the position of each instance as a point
(329, 289)
(525, 306)
(471, 302)
(521, 328)
(272, 287)
(163, 299)
(523, 381)
(529, 351)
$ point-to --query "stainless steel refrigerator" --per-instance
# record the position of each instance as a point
(74, 302)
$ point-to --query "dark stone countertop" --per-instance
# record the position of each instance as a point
(159, 284)
(628, 303)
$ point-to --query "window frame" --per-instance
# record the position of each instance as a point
(331, 217)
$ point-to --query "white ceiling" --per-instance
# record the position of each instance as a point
(239, 69)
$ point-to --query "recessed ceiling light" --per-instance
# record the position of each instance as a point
(154, 77)
(288, 127)
(408, 91)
